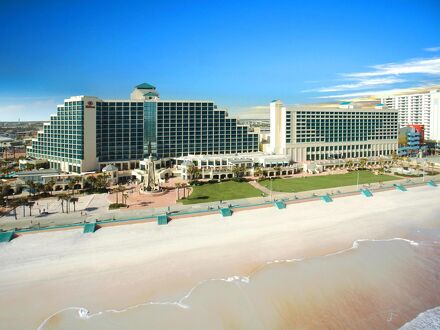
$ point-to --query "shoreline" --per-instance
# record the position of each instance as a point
(83, 313)
(121, 266)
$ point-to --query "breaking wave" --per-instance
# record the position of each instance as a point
(365, 286)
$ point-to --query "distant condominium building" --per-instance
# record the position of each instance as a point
(411, 139)
(418, 109)
(313, 133)
(88, 133)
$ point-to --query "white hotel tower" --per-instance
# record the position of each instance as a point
(418, 109)
(315, 133)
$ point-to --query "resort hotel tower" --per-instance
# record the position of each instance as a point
(87, 133)
(318, 133)
(421, 108)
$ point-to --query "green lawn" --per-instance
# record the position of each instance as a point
(221, 191)
(326, 181)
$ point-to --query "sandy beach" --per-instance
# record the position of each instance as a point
(124, 266)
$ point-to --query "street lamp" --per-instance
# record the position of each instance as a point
(271, 187)
(357, 181)
(423, 170)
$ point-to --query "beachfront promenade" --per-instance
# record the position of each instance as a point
(91, 208)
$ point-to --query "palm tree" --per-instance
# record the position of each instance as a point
(124, 197)
(23, 202)
(48, 186)
(184, 186)
(395, 158)
(62, 198)
(238, 171)
(91, 182)
(39, 187)
(5, 192)
(74, 200)
(72, 183)
(117, 190)
(67, 199)
(32, 187)
(258, 171)
(362, 163)
(178, 185)
(14, 204)
(102, 181)
(417, 168)
(5, 170)
(30, 204)
(431, 165)
(193, 172)
(381, 164)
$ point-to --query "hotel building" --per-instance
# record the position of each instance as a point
(418, 109)
(88, 133)
(307, 133)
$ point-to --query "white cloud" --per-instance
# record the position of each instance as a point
(27, 109)
(432, 49)
(414, 66)
(251, 112)
(362, 83)
(412, 71)
(375, 94)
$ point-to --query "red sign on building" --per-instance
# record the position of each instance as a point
(419, 129)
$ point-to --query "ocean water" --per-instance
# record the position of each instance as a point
(373, 285)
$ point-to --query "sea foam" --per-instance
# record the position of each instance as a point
(254, 297)
(427, 320)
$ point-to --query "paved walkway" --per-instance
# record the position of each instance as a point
(257, 185)
(139, 200)
(95, 207)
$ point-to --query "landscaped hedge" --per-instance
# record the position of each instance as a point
(114, 206)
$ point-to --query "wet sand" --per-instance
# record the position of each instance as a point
(125, 266)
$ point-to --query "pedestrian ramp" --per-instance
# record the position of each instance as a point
(6, 236)
(162, 219)
(399, 187)
(432, 183)
(326, 199)
(90, 227)
(280, 205)
(366, 192)
(226, 211)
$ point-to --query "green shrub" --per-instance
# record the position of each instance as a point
(239, 180)
(196, 183)
(114, 206)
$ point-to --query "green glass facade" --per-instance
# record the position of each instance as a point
(190, 127)
(344, 134)
(127, 131)
(62, 140)
(119, 131)
(150, 132)
(345, 126)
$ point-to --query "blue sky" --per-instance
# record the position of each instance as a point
(241, 54)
